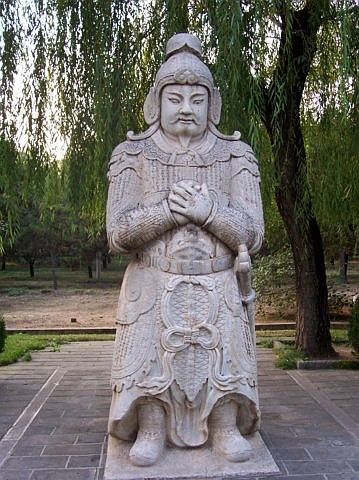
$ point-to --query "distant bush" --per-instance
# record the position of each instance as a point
(353, 332)
(16, 291)
(266, 343)
(272, 270)
(2, 333)
(286, 357)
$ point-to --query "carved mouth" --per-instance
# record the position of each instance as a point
(186, 120)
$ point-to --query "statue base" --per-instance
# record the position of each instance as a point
(187, 463)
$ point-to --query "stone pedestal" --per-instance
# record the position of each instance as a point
(191, 463)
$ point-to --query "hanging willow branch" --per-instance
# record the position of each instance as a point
(9, 54)
(86, 67)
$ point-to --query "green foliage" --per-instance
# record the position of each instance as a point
(265, 343)
(330, 127)
(332, 145)
(272, 270)
(2, 333)
(86, 80)
(276, 334)
(348, 365)
(20, 345)
(31, 240)
(353, 332)
(10, 194)
(286, 358)
(16, 291)
(339, 336)
(336, 300)
(27, 357)
(86, 67)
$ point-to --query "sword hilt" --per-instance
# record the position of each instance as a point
(243, 272)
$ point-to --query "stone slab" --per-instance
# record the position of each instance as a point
(337, 413)
(191, 463)
(324, 364)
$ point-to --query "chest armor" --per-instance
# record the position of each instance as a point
(160, 170)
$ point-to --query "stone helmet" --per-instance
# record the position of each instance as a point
(183, 64)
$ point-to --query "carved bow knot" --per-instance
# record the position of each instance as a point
(192, 338)
(175, 339)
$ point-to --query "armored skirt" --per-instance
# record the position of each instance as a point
(185, 341)
(183, 335)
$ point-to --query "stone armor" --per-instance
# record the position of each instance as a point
(183, 334)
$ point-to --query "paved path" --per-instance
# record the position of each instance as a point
(53, 415)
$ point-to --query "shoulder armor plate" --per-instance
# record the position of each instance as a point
(125, 155)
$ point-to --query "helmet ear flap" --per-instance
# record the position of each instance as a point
(216, 106)
(151, 107)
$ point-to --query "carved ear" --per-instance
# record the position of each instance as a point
(151, 108)
(216, 106)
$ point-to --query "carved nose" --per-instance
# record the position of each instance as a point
(186, 108)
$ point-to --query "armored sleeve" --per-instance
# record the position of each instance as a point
(241, 221)
(131, 225)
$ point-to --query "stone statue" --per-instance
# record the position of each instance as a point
(184, 202)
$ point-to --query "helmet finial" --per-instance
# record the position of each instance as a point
(183, 42)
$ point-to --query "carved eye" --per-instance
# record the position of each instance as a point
(198, 101)
(174, 100)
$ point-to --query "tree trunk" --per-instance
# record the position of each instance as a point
(31, 268)
(343, 266)
(281, 116)
(312, 314)
(89, 270)
(54, 264)
(295, 206)
(98, 262)
(3, 263)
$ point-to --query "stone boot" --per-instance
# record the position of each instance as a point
(226, 437)
(151, 435)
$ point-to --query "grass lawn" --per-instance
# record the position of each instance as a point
(286, 356)
(21, 345)
(338, 336)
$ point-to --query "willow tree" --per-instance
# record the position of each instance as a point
(262, 53)
(281, 115)
(333, 143)
(8, 152)
(333, 148)
(23, 111)
(94, 62)
(266, 79)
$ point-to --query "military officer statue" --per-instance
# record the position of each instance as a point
(184, 203)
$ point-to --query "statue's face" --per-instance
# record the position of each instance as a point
(184, 110)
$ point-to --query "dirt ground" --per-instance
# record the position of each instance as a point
(88, 308)
(80, 303)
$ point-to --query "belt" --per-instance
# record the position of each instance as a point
(189, 267)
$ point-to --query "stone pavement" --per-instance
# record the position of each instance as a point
(53, 415)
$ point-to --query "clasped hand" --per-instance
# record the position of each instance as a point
(190, 202)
